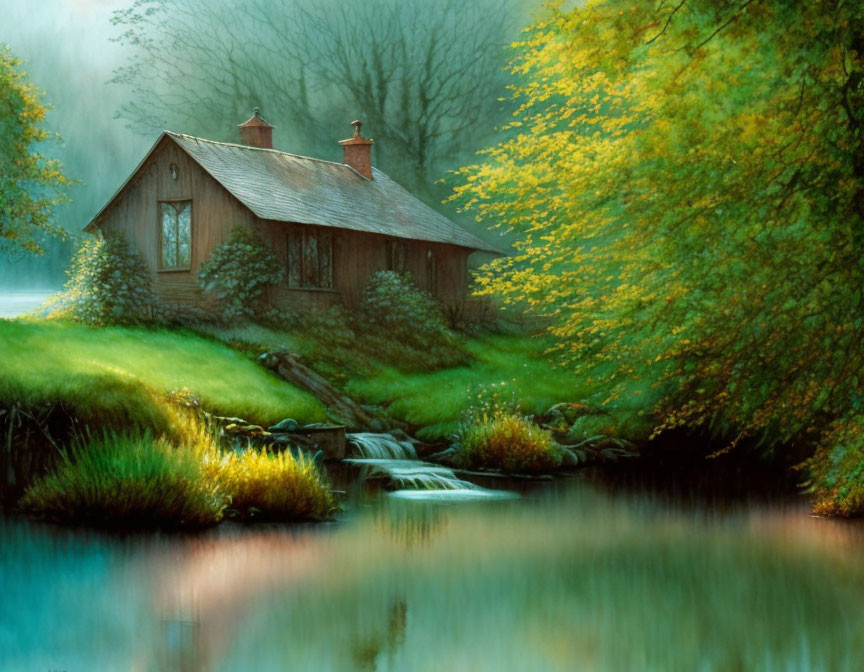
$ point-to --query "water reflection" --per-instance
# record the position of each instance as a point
(19, 302)
(564, 578)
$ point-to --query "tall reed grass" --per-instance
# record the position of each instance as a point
(273, 486)
(138, 480)
(128, 480)
(510, 442)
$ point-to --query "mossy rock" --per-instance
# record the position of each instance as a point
(286, 425)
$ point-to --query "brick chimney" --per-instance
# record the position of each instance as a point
(358, 152)
(256, 132)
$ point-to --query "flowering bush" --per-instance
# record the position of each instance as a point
(238, 271)
(494, 434)
(108, 284)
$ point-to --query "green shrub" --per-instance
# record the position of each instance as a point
(403, 321)
(273, 486)
(238, 272)
(134, 481)
(391, 299)
(108, 285)
(494, 434)
(836, 469)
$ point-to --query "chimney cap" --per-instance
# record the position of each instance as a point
(255, 120)
(357, 139)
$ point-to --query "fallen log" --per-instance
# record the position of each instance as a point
(340, 408)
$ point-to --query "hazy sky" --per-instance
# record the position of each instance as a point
(66, 49)
(67, 52)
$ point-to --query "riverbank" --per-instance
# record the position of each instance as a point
(63, 383)
(74, 388)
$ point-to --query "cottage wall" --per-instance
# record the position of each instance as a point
(357, 256)
(135, 215)
(215, 212)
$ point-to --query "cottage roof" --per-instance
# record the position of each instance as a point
(286, 187)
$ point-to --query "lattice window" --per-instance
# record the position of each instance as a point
(431, 273)
(310, 258)
(175, 239)
(396, 256)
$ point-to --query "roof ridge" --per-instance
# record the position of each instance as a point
(256, 149)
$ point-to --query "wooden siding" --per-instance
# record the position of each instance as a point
(135, 215)
(357, 255)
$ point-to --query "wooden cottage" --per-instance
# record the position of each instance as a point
(332, 224)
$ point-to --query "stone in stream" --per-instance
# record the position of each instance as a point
(327, 437)
(447, 456)
(286, 425)
(249, 430)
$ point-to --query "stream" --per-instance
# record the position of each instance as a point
(583, 573)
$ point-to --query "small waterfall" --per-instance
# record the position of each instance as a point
(413, 474)
(381, 446)
(384, 456)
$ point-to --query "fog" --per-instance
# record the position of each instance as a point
(66, 52)
(199, 67)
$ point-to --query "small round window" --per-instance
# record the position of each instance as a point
(174, 171)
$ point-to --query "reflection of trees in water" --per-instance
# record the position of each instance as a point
(179, 646)
(410, 524)
(367, 651)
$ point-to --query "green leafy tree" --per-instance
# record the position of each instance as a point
(30, 184)
(688, 182)
(238, 272)
(108, 284)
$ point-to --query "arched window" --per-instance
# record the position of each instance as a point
(175, 235)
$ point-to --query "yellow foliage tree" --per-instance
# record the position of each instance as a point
(686, 180)
(30, 184)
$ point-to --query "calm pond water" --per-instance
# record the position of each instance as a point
(569, 576)
(18, 302)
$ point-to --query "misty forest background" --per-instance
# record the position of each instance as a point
(428, 86)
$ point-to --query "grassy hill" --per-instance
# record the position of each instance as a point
(121, 374)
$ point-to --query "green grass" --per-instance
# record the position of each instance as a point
(137, 480)
(118, 373)
(133, 481)
(430, 399)
(436, 399)
(254, 338)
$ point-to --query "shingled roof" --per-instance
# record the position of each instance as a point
(286, 187)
